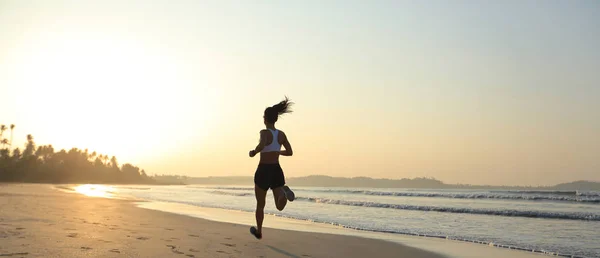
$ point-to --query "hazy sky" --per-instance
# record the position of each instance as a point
(490, 92)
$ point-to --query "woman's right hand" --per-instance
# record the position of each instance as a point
(252, 153)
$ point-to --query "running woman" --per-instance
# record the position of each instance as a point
(269, 174)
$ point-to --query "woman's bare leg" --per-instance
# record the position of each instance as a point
(280, 199)
(261, 196)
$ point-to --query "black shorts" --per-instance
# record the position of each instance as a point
(269, 176)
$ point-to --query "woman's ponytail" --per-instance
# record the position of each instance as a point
(283, 107)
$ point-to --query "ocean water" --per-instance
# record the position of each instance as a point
(563, 223)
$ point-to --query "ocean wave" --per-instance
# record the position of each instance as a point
(541, 192)
(590, 194)
(231, 193)
(547, 192)
(532, 195)
(583, 197)
(498, 212)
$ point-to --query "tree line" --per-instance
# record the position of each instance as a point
(43, 164)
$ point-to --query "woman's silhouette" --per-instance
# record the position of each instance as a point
(269, 173)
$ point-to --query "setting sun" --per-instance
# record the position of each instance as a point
(111, 95)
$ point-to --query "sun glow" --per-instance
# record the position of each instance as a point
(95, 190)
(115, 96)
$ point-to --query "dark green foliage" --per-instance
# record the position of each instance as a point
(42, 164)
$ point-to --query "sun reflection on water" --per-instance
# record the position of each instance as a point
(95, 190)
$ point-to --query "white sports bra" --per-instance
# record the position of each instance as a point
(274, 146)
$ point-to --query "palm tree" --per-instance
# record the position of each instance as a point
(16, 154)
(2, 129)
(113, 162)
(12, 128)
(29, 147)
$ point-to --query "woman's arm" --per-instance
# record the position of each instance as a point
(288, 147)
(261, 144)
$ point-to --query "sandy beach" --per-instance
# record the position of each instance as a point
(38, 221)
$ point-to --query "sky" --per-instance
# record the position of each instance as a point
(473, 92)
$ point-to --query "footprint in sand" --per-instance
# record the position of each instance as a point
(174, 250)
(194, 250)
(223, 252)
(20, 228)
(170, 229)
(228, 238)
(230, 245)
(190, 255)
(14, 254)
(115, 251)
(86, 248)
(142, 238)
(194, 235)
(72, 235)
